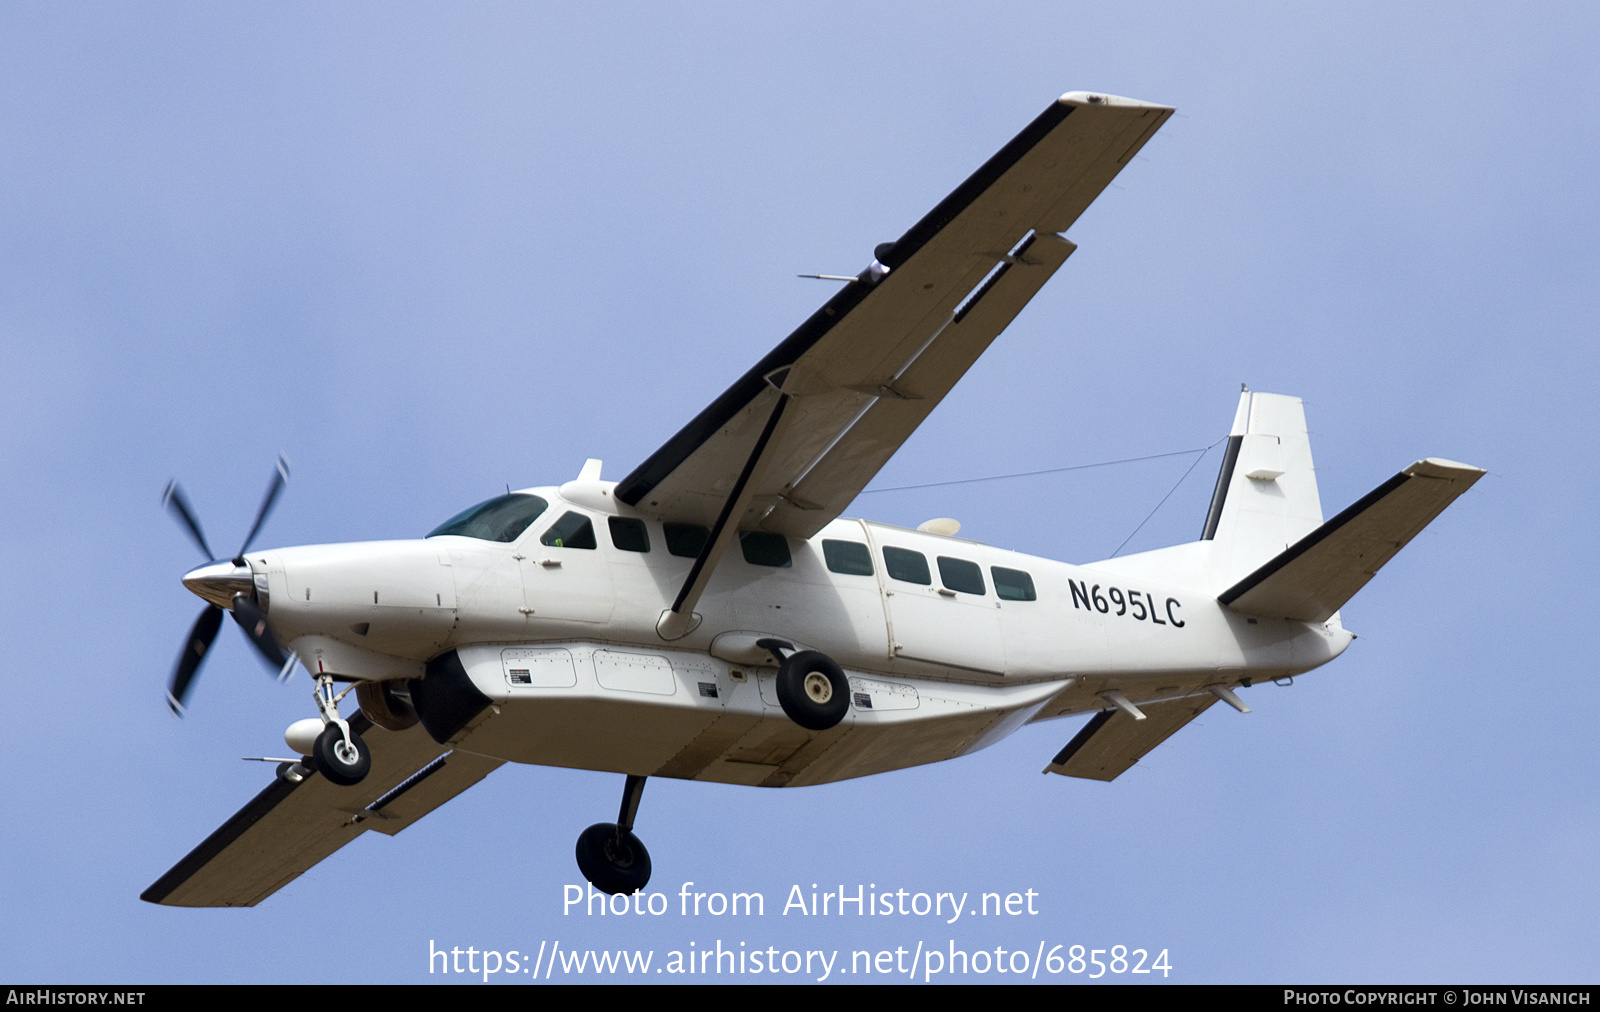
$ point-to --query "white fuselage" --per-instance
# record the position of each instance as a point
(563, 641)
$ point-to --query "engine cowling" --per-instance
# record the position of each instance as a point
(387, 704)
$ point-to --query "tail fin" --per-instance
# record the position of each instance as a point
(1266, 496)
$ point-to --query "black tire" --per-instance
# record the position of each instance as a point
(610, 867)
(337, 767)
(813, 690)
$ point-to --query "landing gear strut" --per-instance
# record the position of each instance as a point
(812, 688)
(339, 753)
(609, 855)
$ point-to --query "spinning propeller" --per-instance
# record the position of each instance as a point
(227, 585)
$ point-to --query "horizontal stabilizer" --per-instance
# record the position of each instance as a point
(1113, 741)
(1313, 578)
(289, 827)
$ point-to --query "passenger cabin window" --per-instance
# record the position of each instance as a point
(685, 540)
(763, 548)
(848, 557)
(907, 566)
(502, 518)
(629, 535)
(573, 530)
(961, 576)
(1013, 584)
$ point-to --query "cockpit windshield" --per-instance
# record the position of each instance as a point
(502, 518)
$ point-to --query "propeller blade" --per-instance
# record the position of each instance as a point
(194, 653)
(174, 500)
(280, 477)
(254, 623)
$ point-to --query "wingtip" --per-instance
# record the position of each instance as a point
(1438, 467)
(1098, 98)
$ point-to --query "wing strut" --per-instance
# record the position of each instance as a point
(680, 620)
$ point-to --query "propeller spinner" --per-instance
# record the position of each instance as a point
(226, 586)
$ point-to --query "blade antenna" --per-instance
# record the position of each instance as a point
(280, 477)
(178, 503)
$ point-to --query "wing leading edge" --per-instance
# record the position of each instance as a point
(796, 438)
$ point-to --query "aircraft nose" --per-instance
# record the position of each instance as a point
(217, 582)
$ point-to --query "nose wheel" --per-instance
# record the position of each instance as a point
(343, 759)
(338, 753)
(609, 855)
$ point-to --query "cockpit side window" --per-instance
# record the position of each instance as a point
(573, 530)
(502, 518)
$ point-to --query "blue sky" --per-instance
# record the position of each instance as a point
(428, 252)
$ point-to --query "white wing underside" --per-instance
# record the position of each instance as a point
(289, 827)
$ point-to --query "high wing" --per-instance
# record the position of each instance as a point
(289, 827)
(795, 439)
(1112, 742)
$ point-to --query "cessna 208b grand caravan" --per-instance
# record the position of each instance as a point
(712, 617)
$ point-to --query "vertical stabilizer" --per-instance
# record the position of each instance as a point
(1266, 495)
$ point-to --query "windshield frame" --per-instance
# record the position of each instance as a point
(504, 519)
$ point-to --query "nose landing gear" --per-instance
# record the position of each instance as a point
(609, 855)
(339, 753)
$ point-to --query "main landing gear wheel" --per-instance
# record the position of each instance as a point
(343, 764)
(609, 855)
(613, 860)
(813, 690)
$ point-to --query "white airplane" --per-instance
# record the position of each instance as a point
(712, 617)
